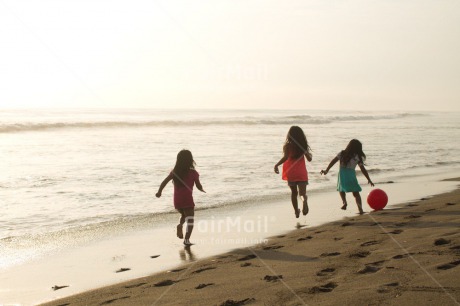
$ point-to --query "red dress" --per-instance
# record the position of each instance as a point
(295, 170)
(183, 195)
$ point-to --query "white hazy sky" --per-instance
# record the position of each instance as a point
(350, 54)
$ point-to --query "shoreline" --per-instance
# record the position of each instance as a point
(384, 257)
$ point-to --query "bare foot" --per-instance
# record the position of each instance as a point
(305, 207)
(180, 235)
(297, 214)
(344, 206)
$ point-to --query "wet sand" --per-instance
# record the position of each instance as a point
(409, 255)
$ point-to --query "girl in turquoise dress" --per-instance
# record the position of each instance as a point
(347, 182)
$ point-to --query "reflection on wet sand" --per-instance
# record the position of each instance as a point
(186, 254)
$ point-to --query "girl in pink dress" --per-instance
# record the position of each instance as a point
(295, 150)
(184, 176)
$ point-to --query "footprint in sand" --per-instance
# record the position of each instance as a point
(164, 283)
(412, 205)
(330, 254)
(305, 238)
(369, 269)
(325, 272)
(247, 257)
(347, 224)
(272, 278)
(401, 256)
(273, 247)
(383, 290)
(450, 204)
(154, 256)
(376, 263)
(441, 241)
(246, 264)
(396, 231)
(338, 238)
(56, 287)
(204, 269)
(372, 242)
(318, 232)
(395, 284)
(455, 248)
(122, 270)
(201, 286)
(113, 300)
(431, 209)
(449, 265)
(221, 258)
(361, 254)
(412, 217)
(400, 224)
(423, 199)
(176, 270)
(237, 303)
(324, 288)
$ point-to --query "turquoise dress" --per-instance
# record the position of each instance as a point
(347, 181)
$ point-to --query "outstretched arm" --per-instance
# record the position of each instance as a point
(332, 163)
(281, 161)
(364, 171)
(199, 186)
(163, 184)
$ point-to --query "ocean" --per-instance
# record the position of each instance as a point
(73, 175)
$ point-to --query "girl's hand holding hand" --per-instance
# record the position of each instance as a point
(323, 172)
(370, 182)
(276, 170)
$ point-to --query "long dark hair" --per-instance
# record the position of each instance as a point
(296, 143)
(355, 147)
(183, 165)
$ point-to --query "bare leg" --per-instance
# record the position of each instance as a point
(179, 232)
(358, 202)
(295, 205)
(303, 195)
(189, 217)
(344, 200)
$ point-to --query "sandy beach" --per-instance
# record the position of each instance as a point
(404, 256)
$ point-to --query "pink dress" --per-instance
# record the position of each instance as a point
(295, 170)
(183, 195)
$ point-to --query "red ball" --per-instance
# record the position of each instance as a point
(377, 199)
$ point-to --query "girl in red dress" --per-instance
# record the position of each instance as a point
(295, 150)
(184, 177)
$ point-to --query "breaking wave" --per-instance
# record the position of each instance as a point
(282, 120)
